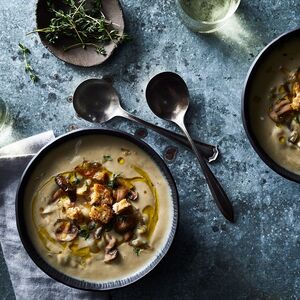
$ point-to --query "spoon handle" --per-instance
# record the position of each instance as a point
(215, 187)
(208, 151)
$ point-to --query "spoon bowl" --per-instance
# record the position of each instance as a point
(96, 100)
(167, 96)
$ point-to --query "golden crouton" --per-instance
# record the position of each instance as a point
(73, 213)
(101, 176)
(296, 99)
(121, 206)
(101, 195)
(101, 213)
(82, 189)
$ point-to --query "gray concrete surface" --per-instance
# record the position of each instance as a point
(256, 258)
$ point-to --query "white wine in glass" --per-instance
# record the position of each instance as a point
(206, 16)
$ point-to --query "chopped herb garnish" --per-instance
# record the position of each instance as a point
(137, 251)
(86, 231)
(75, 179)
(86, 25)
(106, 158)
(28, 68)
(113, 182)
(92, 226)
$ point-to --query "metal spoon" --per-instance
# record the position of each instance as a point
(96, 100)
(168, 97)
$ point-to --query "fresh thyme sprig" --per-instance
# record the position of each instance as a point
(28, 68)
(137, 251)
(82, 25)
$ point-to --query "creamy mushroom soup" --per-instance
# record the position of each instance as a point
(279, 130)
(100, 209)
(275, 105)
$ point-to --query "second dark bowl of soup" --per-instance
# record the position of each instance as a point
(270, 108)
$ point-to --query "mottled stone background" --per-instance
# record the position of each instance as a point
(256, 258)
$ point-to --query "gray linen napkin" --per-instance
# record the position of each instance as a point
(28, 281)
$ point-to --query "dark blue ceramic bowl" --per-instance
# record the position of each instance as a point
(284, 51)
(25, 233)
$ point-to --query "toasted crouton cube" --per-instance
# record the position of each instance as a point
(102, 213)
(121, 206)
(73, 213)
(65, 202)
(101, 176)
(82, 190)
(101, 195)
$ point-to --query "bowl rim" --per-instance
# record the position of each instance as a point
(245, 106)
(81, 283)
(217, 22)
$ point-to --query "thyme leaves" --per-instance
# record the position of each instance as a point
(28, 68)
(83, 25)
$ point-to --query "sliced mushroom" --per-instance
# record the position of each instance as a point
(125, 223)
(98, 233)
(62, 182)
(133, 195)
(294, 136)
(111, 255)
(112, 242)
(128, 236)
(280, 109)
(121, 193)
(65, 185)
(88, 169)
(57, 194)
(65, 230)
(111, 252)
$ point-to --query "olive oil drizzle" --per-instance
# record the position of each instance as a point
(42, 236)
(84, 253)
(150, 211)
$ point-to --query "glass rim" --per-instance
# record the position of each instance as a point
(194, 22)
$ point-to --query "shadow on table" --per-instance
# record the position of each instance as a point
(187, 272)
(246, 33)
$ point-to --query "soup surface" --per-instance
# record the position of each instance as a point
(274, 117)
(100, 208)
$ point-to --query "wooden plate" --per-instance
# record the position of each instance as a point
(78, 56)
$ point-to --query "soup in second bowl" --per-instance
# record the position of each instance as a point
(275, 104)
